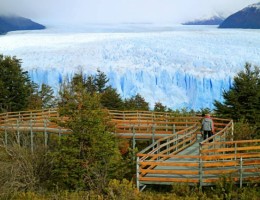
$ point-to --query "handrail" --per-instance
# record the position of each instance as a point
(165, 140)
(219, 134)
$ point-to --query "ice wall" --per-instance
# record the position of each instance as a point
(177, 66)
(173, 89)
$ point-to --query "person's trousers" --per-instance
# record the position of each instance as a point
(207, 134)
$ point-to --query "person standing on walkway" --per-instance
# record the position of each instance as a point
(207, 127)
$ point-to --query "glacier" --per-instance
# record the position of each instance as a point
(179, 66)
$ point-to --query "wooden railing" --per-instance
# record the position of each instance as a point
(170, 145)
(160, 163)
(238, 161)
(35, 121)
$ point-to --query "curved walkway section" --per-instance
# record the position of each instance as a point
(177, 153)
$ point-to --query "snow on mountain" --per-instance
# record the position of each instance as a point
(256, 6)
(215, 20)
(179, 66)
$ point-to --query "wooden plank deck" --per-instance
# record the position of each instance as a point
(190, 167)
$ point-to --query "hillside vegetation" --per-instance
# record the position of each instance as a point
(88, 163)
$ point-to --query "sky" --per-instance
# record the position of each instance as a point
(121, 11)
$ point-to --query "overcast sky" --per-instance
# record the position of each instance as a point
(120, 11)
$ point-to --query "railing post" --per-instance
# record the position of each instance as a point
(60, 134)
(173, 129)
(6, 136)
(235, 151)
(45, 133)
(241, 172)
(153, 132)
(133, 137)
(232, 130)
(137, 173)
(6, 139)
(158, 150)
(168, 146)
(200, 167)
(31, 135)
(200, 172)
(176, 149)
(18, 131)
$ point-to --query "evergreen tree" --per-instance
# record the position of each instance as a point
(41, 97)
(243, 99)
(34, 100)
(159, 107)
(15, 85)
(110, 99)
(91, 83)
(100, 81)
(136, 102)
(47, 96)
(89, 157)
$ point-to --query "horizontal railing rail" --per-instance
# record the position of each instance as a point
(194, 170)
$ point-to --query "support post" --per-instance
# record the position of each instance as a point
(200, 167)
(153, 133)
(133, 137)
(241, 172)
(45, 133)
(32, 147)
(59, 134)
(168, 146)
(18, 131)
(232, 130)
(6, 139)
(137, 173)
(235, 151)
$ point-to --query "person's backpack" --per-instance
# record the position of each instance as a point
(206, 124)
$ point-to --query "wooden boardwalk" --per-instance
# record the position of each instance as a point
(177, 153)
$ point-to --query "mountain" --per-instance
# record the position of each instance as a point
(248, 17)
(211, 21)
(15, 23)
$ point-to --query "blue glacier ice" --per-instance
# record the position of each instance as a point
(179, 66)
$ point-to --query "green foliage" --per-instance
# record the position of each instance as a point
(15, 85)
(92, 83)
(242, 101)
(243, 130)
(159, 107)
(41, 97)
(100, 81)
(90, 157)
(46, 94)
(205, 111)
(121, 190)
(110, 99)
(136, 102)
(22, 170)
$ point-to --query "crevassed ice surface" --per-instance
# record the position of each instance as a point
(179, 66)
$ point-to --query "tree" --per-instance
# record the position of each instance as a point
(100, 81)
(136, 102)
(159, 107)
(110, 99)
(242, 101)
(41, 97)
(89, 157)
(91, 83)
(47, 96)
(15, 85)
